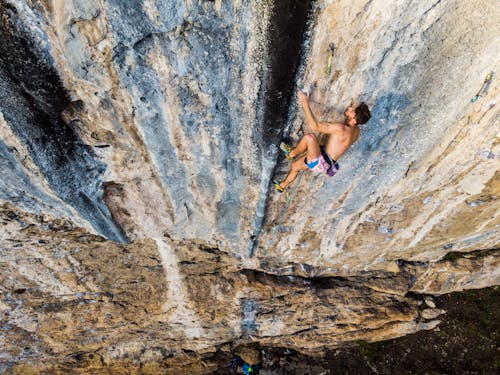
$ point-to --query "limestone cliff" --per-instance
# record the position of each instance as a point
(140, 230)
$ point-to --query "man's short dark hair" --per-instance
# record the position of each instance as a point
(362, 114)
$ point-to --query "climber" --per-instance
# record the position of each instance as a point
(316, 158)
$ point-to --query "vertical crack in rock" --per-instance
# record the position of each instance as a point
(32, 97)
(286, 32)
(288, 40)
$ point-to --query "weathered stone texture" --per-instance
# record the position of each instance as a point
(70, 299)
(423, 179)
(137, 144)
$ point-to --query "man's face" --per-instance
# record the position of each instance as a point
(350, 116)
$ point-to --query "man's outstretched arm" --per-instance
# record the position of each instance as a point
(312, 121)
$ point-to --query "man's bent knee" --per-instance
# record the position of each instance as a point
(310, 137)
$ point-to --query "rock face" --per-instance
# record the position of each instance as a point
(138, 142)
(423, 179)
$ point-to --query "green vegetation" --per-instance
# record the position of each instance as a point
(372, 351)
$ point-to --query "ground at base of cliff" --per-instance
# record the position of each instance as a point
(466, 342)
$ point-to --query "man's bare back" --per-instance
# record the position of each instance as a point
(337, 144)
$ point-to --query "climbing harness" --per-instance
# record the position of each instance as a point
(484, 88)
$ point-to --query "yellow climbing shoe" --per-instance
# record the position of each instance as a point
(286, 148)
(277, 185)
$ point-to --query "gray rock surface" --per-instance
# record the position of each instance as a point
(32, 99)
(138, 143)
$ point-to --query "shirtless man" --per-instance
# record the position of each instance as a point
(319, 159)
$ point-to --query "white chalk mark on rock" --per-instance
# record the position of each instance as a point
(179, 313)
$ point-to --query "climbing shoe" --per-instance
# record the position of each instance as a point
(286, 148)
(277, 185)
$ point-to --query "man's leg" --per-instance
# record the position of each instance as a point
(297, 166)
(308, 143)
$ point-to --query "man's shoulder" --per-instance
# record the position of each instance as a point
(336, 125)
(330, 128)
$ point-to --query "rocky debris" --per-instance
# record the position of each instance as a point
(463, 343)
(429, 314)
(429, 301)
(249, 355)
